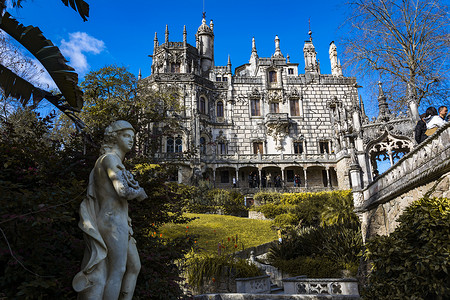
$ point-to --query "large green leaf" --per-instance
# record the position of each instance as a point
(49, 56)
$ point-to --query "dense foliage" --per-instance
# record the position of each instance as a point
(307, 209)
(206, 199)
(43, 181)
(319, 251)
(414, 261)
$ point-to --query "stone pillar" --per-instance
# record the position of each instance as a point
(214, 176)
(237, 176)
(283, 183)
(329, 177)
(260, 177)
(390, 157)
(306, 178)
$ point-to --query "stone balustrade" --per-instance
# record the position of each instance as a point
(253, 285)
(330, 286)
(426, 162)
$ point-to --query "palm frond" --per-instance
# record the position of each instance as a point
(49, 56)
(78, 5)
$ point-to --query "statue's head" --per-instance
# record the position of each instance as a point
(111, 134)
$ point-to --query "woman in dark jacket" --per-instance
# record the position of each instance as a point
(421, 127)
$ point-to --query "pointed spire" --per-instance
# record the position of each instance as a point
(155, 41)
(229, 64)
(277, 47)
(140, 74)
(184, 36)
(254, 45)
(167, 34)
(211, 25)
(309, 31)
(361, 106)
(382, 103)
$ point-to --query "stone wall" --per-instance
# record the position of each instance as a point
(425, 171)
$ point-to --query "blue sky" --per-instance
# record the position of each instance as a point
(122, 33)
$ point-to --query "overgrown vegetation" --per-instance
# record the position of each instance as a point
(322, 235)
(414, 261)
(307, 209)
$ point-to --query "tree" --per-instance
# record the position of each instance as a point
(404, 44)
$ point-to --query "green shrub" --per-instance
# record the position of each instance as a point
(202, 269)
(312, 267)
(414, 261)
(286, 220)
(264, 197)
(271, 210)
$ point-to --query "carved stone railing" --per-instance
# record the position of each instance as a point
(330, 286)
(277, 117)
(425, 163)
(273, 158)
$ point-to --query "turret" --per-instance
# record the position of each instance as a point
(309, 52)
(205, 45)
(336, 69)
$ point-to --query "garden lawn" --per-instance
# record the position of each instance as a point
(209, 230)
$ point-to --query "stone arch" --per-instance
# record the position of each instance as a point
(387, 147)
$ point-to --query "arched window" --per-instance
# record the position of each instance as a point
(178, 144)
(220, 109)
(274, 107)
(272, 76)
(170, 145)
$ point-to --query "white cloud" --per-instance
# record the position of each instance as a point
(78, 44)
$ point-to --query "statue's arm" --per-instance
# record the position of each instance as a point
(119, 181)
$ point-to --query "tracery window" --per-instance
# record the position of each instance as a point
(219, 109)
(222, 147)
(258, 147)
(202, 145)
(174, 145)
(323, 147)
(298, 147)
(175, 68)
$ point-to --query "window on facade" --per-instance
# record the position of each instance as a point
(178, 144)
(225, 177)
(175, 68)
(290, 71)
(202, 105)
(298, 147)
(290, 175)
(220, 109)
(274, 107)
(222, 148)
(218, 78)
(323, 147)
(202, 145)
(255, 107)
(170, 145)
(225, 79)
(272, 76)
(295, 107)
(174, 145)
(258, 147)
(324, 178)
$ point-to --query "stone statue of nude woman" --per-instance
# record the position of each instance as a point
(111, 262)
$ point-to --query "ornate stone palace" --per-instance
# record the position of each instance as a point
(269, 120)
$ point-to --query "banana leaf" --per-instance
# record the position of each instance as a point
(49, 56)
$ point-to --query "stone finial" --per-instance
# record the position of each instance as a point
(336, 68)
(229, 64)
(253, 45)
(155, 41)
(140, 74)
(211, 25)
(167, 34)
(184, 35)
